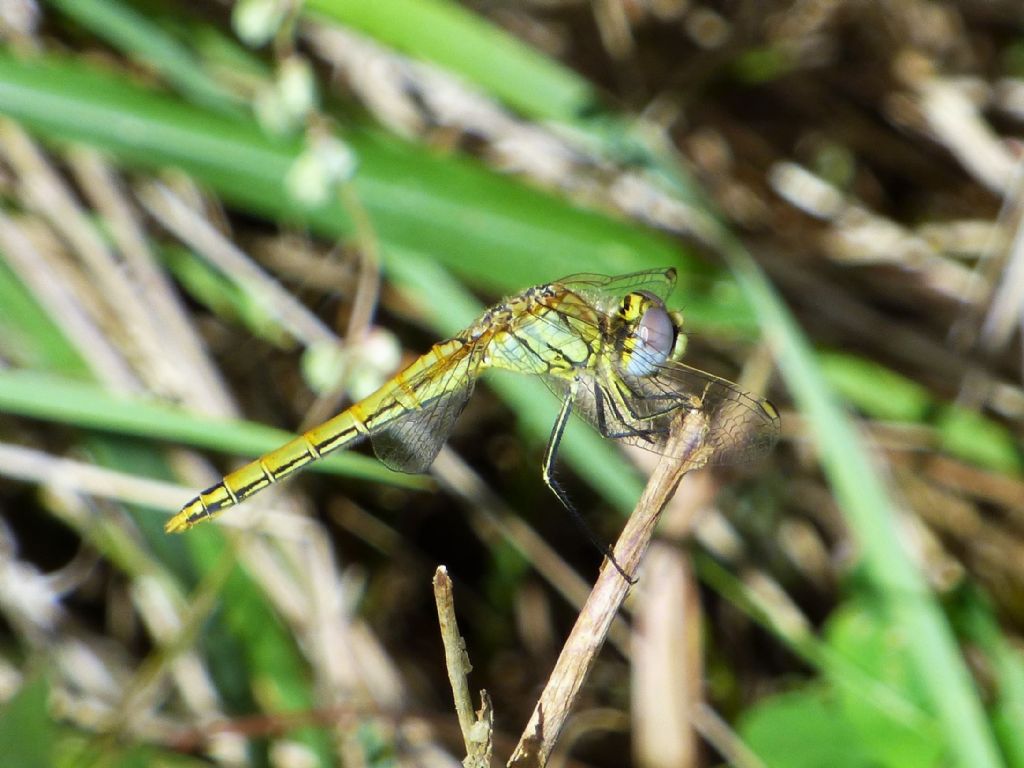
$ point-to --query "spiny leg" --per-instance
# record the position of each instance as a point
(603, 401)
(550, 454)
(626, 396)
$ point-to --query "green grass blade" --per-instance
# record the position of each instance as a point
(872, 514)
(146, 42)
(27, 335)
(488, 228)
(85, 405)
(883, 394)
(1007, 669)
(461, 41)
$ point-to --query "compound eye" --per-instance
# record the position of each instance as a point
(655, 336)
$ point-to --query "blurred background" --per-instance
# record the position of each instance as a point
(223, 222)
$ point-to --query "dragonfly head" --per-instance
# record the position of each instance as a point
(649, 334)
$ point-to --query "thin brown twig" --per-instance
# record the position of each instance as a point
(588, 635)
(492, 518)
(476, 730)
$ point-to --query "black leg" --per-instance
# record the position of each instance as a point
(601, 402)
(548, 472)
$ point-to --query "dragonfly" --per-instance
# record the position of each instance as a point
(607, 346)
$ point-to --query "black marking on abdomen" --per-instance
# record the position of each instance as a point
(299, 460)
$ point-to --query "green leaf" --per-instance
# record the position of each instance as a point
(28, 335)
(976, 615)
(874, 389)
(866, 639)
(26, 731)
(971, 436)
(803, 729)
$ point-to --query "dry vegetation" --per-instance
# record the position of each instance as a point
(203, 204)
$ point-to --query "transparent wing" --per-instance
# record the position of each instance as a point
(741, 427)
(641, 410)
(604, 291)
(583, 297)
(410, 422)
(412, 442)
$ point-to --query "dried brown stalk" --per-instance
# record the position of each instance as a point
(587, 637)
(476, 727)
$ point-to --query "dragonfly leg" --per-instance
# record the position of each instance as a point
(628, 397)
(548, 472)
(602, 400)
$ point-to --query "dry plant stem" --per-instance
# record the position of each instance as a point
(193, 376)
(364, 305)
(63, 306)
(476, 732)
(79, 477)
(587, 637)
(196, 231)
(717, 732)
(492, 518)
